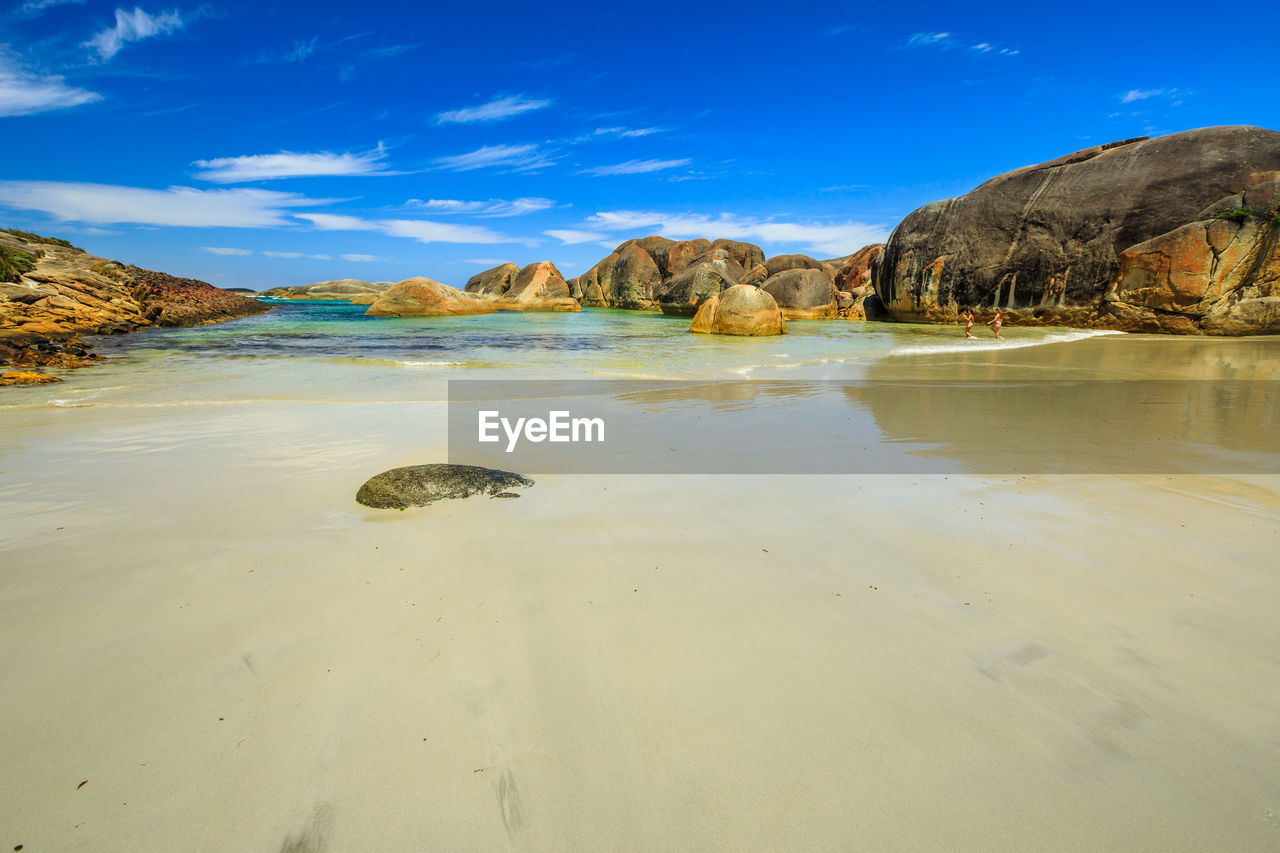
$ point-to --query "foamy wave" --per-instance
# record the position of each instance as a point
(431, 363)
(986, 345)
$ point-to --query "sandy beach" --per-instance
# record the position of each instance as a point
(210, 646)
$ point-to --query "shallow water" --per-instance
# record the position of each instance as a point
(201, 624)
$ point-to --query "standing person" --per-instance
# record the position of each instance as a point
(997, 322)
(968, 322)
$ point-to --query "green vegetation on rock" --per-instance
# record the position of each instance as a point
(14, 263)
(1235, 214)
(36, 238)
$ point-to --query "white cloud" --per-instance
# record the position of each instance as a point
(928, 39)
(604, 133)
(829, 238)
(23, 93)
(518, 158)
(101, 204)
(362, 259)
(288, 164)
(132, 26)
(421, 230)
(35, 7)
(568, 236)
(297, 255)
(635, 167)
(1143, 94)
(222, 250)
(493, 208)
(498, 109)
(987, 47)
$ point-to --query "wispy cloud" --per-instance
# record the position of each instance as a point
(928, 39)
(33, 8)
(994, 49)
(493, 208)
(604, 133)
(132, 26)
(829, 238)
(1143, 94)
(422, 230)
(569, 236)
(517, 158)
(635, 167)
(499, 109)
(841, 29)
(362, 259)
(271, 254)
(289, 164)
(223, 250)
(101, 204)
(23, 93)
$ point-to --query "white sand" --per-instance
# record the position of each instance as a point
(197, 619)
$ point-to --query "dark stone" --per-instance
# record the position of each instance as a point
(803, 294)
(1044, 242)
(707, 276)
(419, 485)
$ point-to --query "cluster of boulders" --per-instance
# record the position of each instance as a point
(53, 293)
(1175, 234)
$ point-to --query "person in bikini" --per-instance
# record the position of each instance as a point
(968, 322)
(996, 322)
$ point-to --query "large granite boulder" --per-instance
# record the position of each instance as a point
(705, 277)
(1045, 242)
(634, 274)
(803, 294)
(419, 485)
(856, 270)
(627, 278)
(343, 289)
(538, 287)
(743, 309)
(494, 282)
(420, 296)
(1218, 275)
(747, 255)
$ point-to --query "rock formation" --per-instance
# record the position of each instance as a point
(635, 274)
(705, 277)
(538, 287)
(54, 292)
(1046, 242)
(419, 485)
(743, 309)
(1218, 275)
(493, 282)
(803, 293)
(421, 296)
(346, 289)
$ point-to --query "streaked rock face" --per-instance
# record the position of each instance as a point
(1045, 242)
(803, 294)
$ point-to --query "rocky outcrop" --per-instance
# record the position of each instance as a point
(635, 274)
(344, 289)
(1219, 275)
(420, 485)
(55, 292)
(493, 282)
(765, 270)
(705, 277)
(538, 287)
(421, 296)
(743, 309)
(1045, 242)
(856, 270)
(26, 377)
(803, 294)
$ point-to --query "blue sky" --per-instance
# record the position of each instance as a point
(255, 146)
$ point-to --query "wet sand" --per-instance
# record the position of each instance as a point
(200, 622)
